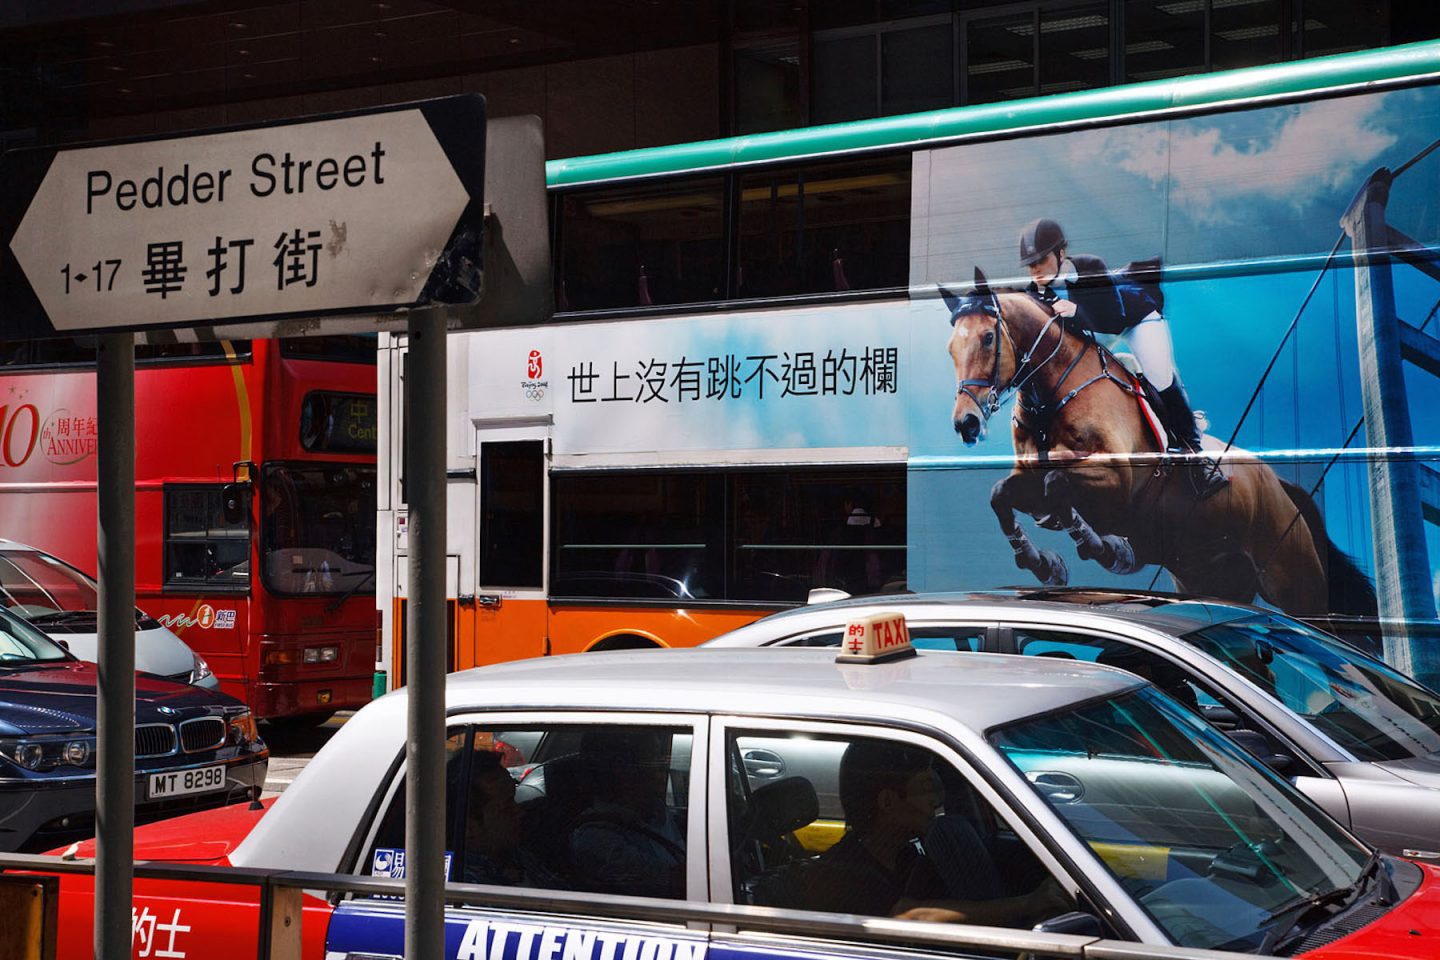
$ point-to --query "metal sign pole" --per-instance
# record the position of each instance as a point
(426, 638)
(115, 780)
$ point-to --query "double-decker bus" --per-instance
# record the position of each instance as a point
(276, 590)
(824, 358)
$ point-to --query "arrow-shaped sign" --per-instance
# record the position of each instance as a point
(361, 213)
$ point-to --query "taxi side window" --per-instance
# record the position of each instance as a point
(599, 808)
(959, 637)
(876, 828)
(1165, 674)
(1169, 677)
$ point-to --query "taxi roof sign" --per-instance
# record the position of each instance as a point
(875, 639)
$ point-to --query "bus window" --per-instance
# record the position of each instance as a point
(202, 550)
(512, 517)
(748, 535)
(354, 348)
(80, 352)
(638, 246)
(343, 422)
(825, 228)
(317, 534)
(646, 536)
(797, 530)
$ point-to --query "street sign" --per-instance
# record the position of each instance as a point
(371, 214)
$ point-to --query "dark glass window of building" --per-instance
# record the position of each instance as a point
(767, 86)
(1246, 35)
(641, 246)
(1164, 38)
(845, 78)
(999, 58)
(1074, 47)
(824, 229)
(1339, 26)
(917, 68)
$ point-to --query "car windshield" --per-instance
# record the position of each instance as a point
(1368, 708)
(21, 644)
(34, 585)
(317, 534)
(1211, 844)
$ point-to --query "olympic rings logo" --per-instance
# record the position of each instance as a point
(534, 391)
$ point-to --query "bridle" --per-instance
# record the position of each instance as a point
(995, 395)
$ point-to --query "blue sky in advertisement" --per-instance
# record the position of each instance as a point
(1233, 187)
(831, 377)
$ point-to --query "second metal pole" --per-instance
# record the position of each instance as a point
(115, 709)
(425, 639)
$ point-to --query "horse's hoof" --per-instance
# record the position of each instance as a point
(1058, 573)
(1118, 556)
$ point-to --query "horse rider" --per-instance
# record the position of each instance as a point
(1083, 288)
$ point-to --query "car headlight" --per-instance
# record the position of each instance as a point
(200, 670)
(242, 728)
(47, 753)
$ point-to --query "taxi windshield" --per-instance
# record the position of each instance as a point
(1212, 845)
(317, 534)
(1369, 708)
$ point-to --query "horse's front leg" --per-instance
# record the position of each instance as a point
(1114, 553)
(1008, 495)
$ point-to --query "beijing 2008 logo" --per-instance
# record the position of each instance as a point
(533, 386)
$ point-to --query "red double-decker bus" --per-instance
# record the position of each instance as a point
(275, 590)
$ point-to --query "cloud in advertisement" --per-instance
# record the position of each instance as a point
(1217, 167)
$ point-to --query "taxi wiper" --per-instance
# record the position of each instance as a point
(62, 616)
(1285, 925)
(1291, 917)
(1384, 879)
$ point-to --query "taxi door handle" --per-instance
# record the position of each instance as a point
(764, 764)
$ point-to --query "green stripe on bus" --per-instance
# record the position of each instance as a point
(1211, 89)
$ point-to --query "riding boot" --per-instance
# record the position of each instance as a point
(1205, 474)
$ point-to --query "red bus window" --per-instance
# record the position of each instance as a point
(202, 550)
(342, 422)
(317, 534)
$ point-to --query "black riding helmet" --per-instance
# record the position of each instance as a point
(1039, 239)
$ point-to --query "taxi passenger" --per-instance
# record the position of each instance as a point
(628, 841)
(493, 850)
(890, 794)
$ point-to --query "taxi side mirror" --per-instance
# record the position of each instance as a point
(1076, 922)
(235, 502)
(1258, 746)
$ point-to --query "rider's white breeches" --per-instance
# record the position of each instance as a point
(1151, 344)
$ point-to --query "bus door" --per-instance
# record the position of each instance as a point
(508, 618)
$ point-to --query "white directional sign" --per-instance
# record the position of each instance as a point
(341, 215)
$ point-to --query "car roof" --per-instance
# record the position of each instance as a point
(980, 691)
(1168, 613)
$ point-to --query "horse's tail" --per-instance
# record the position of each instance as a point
(1349, 590)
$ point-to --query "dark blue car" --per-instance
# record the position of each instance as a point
(194, 748)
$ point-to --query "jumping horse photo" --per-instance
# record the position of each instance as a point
(1091, 460)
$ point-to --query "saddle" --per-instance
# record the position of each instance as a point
(1148, 399)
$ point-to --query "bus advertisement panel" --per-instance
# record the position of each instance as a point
(1022, 409)
(286, 431)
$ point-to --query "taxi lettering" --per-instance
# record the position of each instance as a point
(496, 940)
